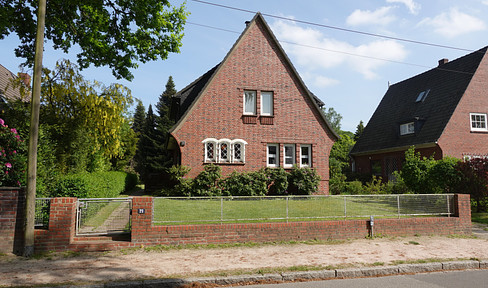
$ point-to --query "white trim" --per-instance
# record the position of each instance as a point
(262, 103)
(285, 157)
(306, 156)
(407, 128)
(481, 122)
(275, 156)
(244, 102)
(217, 150)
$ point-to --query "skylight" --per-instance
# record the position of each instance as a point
(422, 95)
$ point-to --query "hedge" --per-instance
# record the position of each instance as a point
(94, 185)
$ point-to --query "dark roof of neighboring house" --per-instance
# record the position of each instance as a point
(5, 77)
(188, 95)
(445, 84)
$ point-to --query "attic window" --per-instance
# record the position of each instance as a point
(478, 122)
(407, 128)
(422, 96)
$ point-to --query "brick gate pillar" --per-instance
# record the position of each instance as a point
(142, 210)
(12, 201)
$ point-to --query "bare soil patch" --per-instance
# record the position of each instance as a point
(182, 263)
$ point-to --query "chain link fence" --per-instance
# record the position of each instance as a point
(194, 210)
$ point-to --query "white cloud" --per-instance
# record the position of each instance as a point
(413, 7)
(485, 2)
(380, 16)
(454, 23)
(316, 52)
(322, 81)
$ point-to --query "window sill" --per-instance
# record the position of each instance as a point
(479, 131)
(249, 119)
(225, 163)
(266, 120)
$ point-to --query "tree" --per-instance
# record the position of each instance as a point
(113, 33)
(139, 118)
(333, 117)
(142, 31)
(147, 148)
(359, 131)
(164, 123)
(475, 180)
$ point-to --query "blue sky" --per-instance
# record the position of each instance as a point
(342, 68)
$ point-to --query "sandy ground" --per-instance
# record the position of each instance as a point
(87, 268)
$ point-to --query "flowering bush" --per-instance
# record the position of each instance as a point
(12, 164)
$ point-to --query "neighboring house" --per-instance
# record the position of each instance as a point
(251, 111)
(442, 112)
(7, 90)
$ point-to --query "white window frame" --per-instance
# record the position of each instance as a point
(249, 92)
(271, 94)
(243, 150)
(215, 145)
(223, 142)
(482, 121)
(307, 156)
(275, 156)
(292, 157)
(407, 128)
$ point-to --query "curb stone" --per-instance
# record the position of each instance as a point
(292, 276)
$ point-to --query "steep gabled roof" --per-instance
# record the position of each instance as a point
(445, 84)
(7, 92)
(190, 94)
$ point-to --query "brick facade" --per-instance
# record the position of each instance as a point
(255, 63)
(458, 140)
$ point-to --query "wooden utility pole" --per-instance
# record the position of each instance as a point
(30, 201)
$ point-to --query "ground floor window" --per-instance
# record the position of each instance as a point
(224, 150)
(289, 155)
(273, 155)
(305, 155)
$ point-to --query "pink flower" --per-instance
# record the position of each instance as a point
(13, 130)
(2, 122)
(8, 165)
(15, 151)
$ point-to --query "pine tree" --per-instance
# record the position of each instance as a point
(139, 118)
(147, 148)
(164, 122)
(359, 130)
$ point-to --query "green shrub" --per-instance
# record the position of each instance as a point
(276, 180)
(354, 188)
(94, 185)
(303, 181)
(206, 183)
(245, 184)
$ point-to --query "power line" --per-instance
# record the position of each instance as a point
(337, 51)
(338, 28)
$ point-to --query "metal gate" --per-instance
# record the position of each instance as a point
(103, 216)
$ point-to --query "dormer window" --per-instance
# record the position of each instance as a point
(478, 122)
(407, 128)
(422, 95)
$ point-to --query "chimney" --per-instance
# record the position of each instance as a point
(443, 61)
(26, 78)
(247, 23)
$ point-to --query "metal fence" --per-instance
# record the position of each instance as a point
(42, 213)
(103, 216)
(175, 210)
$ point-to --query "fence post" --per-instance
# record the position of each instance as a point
(287, 208)
(221, 210)
(398, 205)
(448, 206)
(345, 208)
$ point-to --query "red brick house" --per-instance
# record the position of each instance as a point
(442, 112)
(251, 111)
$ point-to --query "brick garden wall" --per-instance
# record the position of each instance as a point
(61, 233)
(12, 202)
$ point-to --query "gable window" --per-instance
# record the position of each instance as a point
(305, 155)
(267, 103)
(224, 150)
(478, 122)
(289, 155)
(273, 155)
(407, 128)
(249, 102)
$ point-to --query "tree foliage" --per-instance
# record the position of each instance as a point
(359, 131)
(115, 33)
(333, 117)
(475, 180)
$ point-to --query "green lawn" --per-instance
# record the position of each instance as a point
(479, 217)
(189, 211)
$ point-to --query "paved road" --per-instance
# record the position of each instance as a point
(454, 279)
